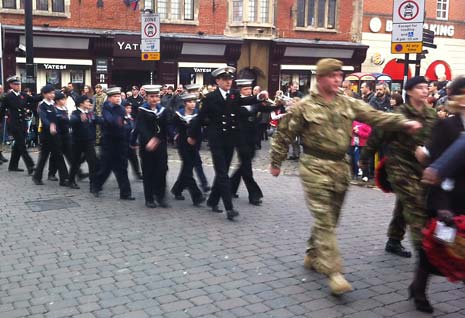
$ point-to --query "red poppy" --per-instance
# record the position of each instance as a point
(232, 96)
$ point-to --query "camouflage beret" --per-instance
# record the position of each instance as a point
(327, 66)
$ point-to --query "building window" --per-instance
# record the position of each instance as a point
(442, 10)
(258, 11)
(40, 7)
(316, 13)
(175, 10)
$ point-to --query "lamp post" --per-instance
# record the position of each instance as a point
(30, 69)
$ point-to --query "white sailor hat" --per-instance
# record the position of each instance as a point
(15, 79)
(192, 87)
(152, 89)
(227, 72)
(188, 96)
(113, 91)
(245, 82)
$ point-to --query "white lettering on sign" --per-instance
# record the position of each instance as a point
(55, 67)
(202, 70)
(438, 29)
(126, 46)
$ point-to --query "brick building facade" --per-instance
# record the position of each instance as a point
(276, 42)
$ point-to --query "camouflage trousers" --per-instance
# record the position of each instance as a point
(397, 226)
(325, 183)
(412, 196)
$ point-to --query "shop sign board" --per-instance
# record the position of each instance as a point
(407, 28)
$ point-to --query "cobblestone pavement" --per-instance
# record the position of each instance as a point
(64, 253)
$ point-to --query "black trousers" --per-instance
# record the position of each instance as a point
(186, 175)
(198, 166)
(134, 160)
(154, 169)
(19, 148)
(246, 154)
(51, 145)
(222, 156)
(114, 159)
(83, 149)
(64, 141)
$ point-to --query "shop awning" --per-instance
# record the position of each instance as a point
(395, 70)
(438, 69)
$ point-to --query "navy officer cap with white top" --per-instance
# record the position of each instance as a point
(224, 72)
(15, 79)
(113, 91)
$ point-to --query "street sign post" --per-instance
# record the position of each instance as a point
(407, 28)
(150, 37)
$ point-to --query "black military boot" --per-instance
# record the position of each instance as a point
(395, 247)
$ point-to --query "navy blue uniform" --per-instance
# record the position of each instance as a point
(83, 144)
(49, 144)
(153, 123)
(63, 138)
(114, 149)
(188, 154)
(129, 126)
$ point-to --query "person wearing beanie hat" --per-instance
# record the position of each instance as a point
(323, 120)
(16, 103)
(220, 111)
(187, 152)
(114, 146)
(49, 140)
(444, 203)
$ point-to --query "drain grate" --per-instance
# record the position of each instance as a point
(51, 204)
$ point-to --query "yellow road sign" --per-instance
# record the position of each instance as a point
(406, 47)
(150, 56)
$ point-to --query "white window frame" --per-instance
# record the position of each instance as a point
(167, 16)
(257, 18)
(324, 28)
(439, 11)
(49, 12)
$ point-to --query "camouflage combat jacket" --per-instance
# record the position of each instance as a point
(325, 127)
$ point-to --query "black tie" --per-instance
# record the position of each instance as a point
(227, 96)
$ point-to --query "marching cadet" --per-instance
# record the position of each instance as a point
(220, 111)
(152, 122)
(15, 102)
(187, 152)
(49, 140)
(246, 146)
(323, 120)
(114, 146)
(83, 122)
(129, 125)
(198, 164)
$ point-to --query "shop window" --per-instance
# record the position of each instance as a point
(258, 11)
(316, 14)
(442, 9)
(40, 7)
(53, 77)
(77, 76)
(173, 10)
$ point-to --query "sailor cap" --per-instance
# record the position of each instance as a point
(113, 91)
(188, 96)
(244, 82)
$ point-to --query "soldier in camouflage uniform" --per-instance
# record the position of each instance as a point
(99, 98)
(323, 120)
(404, 171)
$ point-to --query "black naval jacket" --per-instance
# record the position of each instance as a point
(152, 123)
(17, 106)
(221, 118)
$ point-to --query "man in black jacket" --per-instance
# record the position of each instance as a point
(16, 103)
(136, 100)
(220, 112)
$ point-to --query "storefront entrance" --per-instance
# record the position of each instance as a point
(127, 78)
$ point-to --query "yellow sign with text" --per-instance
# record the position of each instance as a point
(406, 47)
(150, 56)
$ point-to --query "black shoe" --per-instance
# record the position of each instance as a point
(96, 193)
(150, 205)
(163, 204)
(82, 176)
(1, 162)
(421, 303)
(215, 208)
(30, 170)
(230, 214)
(37, 181)
(52, 178)
(15, 169)
(395, 247)
(256, 202)
(179, 197)
(235, 195)
(2, 158)
(65, 183)
(127, 197)
(73, 185)
(197, 202)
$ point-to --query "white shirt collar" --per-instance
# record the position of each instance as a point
(49, 102)
(16, 93)
(223, 92)
(82, 110)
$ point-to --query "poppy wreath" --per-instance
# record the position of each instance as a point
(449, 259)
(381, 177)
